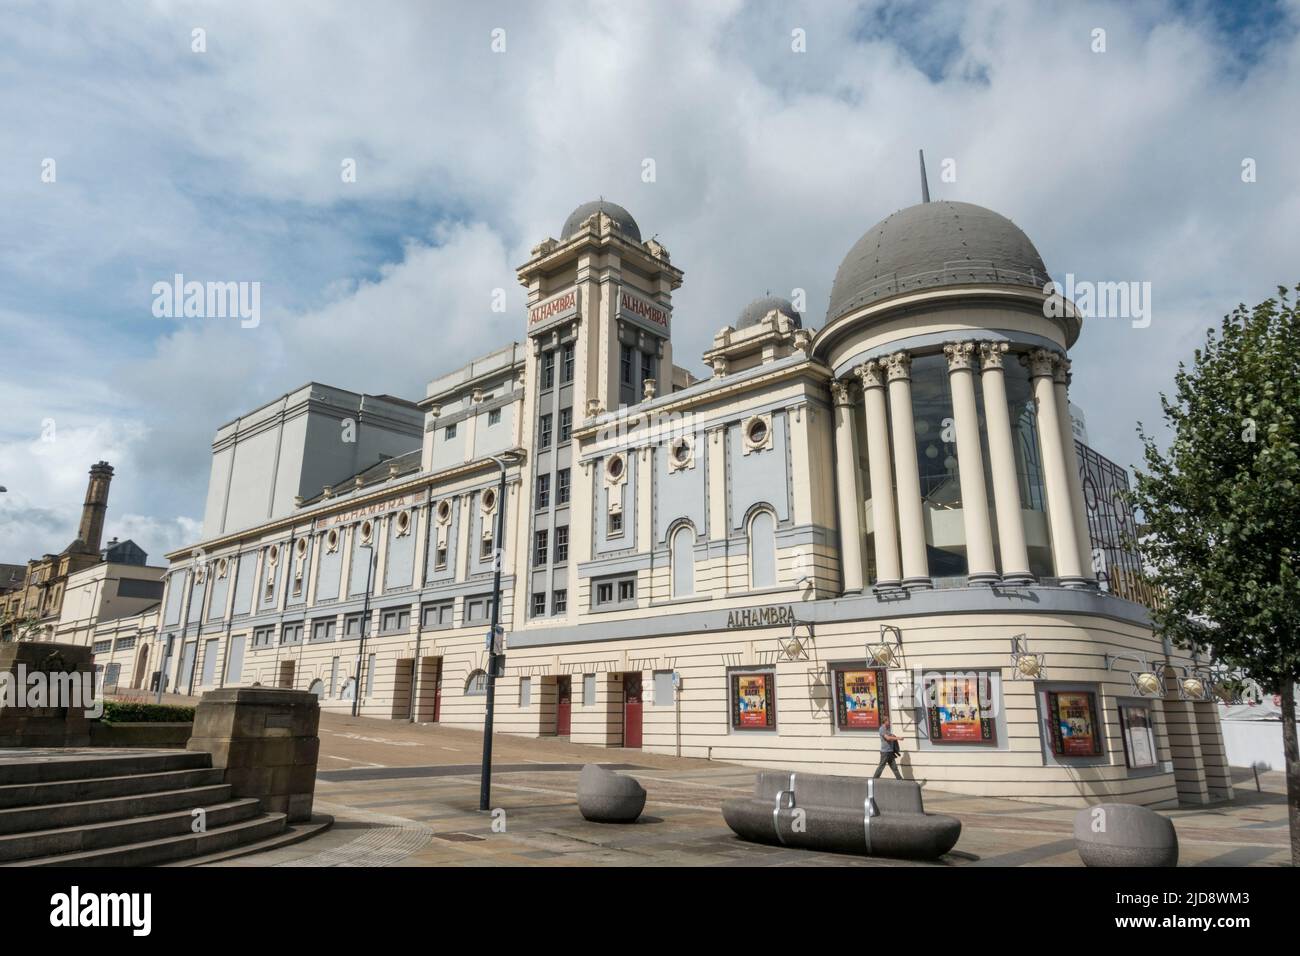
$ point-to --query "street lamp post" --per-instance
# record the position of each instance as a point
(495, 660)
(365, 620)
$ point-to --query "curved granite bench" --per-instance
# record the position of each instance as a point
(1124, 834)
(608, 797)
(874, 817)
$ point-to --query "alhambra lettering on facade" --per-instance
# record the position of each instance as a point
(914, 462)
(760, 616)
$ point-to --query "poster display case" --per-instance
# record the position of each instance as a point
(861, 696)
(753, 700)
(959, 708)
(1075, 729)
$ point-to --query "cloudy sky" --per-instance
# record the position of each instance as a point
(225, 164)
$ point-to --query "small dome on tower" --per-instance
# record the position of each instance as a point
(616, 212)
(757, 310)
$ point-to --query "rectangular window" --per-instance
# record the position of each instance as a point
(753, 700)
(370, 675)
(959, 708)
(440, 558)
(614, 592)
(1072, 715)
(323, 629)
(494, 417)
(605, 593)
(291, 634)
(539, 603)
(562, 487)
(647, 365)
(485, 549)
(541, 551)
(626, 591)
(436, 616)
(588, 690)
(102, 647)
(625, 365)
(262, 636)
(352, 626)
(566, 424)
(543, 491)
(861, 696)
(562, 543)
(566, 372)
(449, 432)
(1139, 735)
(544, 433)
(548, 369)
(394, 621)
(559, 601)
(663, 688)
(525, 691)
(478, 609)
(615, 524)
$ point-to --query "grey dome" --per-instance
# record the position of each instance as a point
(753, 313)
(935, 244)
(616, 212)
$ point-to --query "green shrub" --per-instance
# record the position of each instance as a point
(119, 712)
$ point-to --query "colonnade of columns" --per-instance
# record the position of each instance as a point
(898, 516)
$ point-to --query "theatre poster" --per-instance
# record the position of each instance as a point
(861, 698)
(1076, 731)
(753, 700)
(957, 708)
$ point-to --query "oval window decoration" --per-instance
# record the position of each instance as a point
(301, 547)
(489, 499)
(682, 451)
(615, 467)
(403, 522)
(366, 530)
(222, 565)
(757, 432)
(332, 539)
(273, 555)
(444, 510)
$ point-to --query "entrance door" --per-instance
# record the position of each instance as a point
(563, 706)
(183, 685)
(402, 702)
(632, 710)
(141, 659)
(286, 675)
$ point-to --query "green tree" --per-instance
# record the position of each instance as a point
(1222, 507)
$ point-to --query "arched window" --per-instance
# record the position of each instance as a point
(683, 561)
(762, 550)
(317, 687)
(476, 684)
(349, 689)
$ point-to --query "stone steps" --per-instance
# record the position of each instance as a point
(133, 808)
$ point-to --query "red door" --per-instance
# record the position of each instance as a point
(632, 711)
(563, 706)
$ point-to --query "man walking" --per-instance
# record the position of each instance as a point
(888, 750)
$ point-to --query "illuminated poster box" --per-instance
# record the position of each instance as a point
(955, 712)
(1076, 731)
(861, 697)
(753, 701)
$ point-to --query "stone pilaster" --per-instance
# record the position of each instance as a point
(848, 489)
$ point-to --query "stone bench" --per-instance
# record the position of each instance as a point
(608, 797)
(875, 817)
(1124, 834)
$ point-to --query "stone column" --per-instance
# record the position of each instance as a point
(911, 517)
(1060, 514)
(1078, 509)
(848, 489)
(884, 518)
(981, 567)
(1002, 462)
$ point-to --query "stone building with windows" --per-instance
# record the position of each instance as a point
(889, 515)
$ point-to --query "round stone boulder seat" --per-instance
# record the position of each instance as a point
(608, 797)
(1124, 834)
(841, 815)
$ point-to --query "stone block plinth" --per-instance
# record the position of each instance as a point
(266, 741)
(45, 697)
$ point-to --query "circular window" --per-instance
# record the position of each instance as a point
(366, 530)
(615, 467)
(757, 431)
(444, 510)
(682, 451)
(403, 521)
(489, 499)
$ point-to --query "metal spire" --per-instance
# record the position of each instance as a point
(925, 186)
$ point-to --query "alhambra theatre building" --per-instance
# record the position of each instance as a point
(889, 515)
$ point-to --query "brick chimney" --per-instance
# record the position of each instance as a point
(92, 512)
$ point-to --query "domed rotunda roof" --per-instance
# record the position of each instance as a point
(934, 244)
(753, 313)
(616, 212)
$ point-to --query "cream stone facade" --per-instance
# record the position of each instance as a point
(887, 515)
